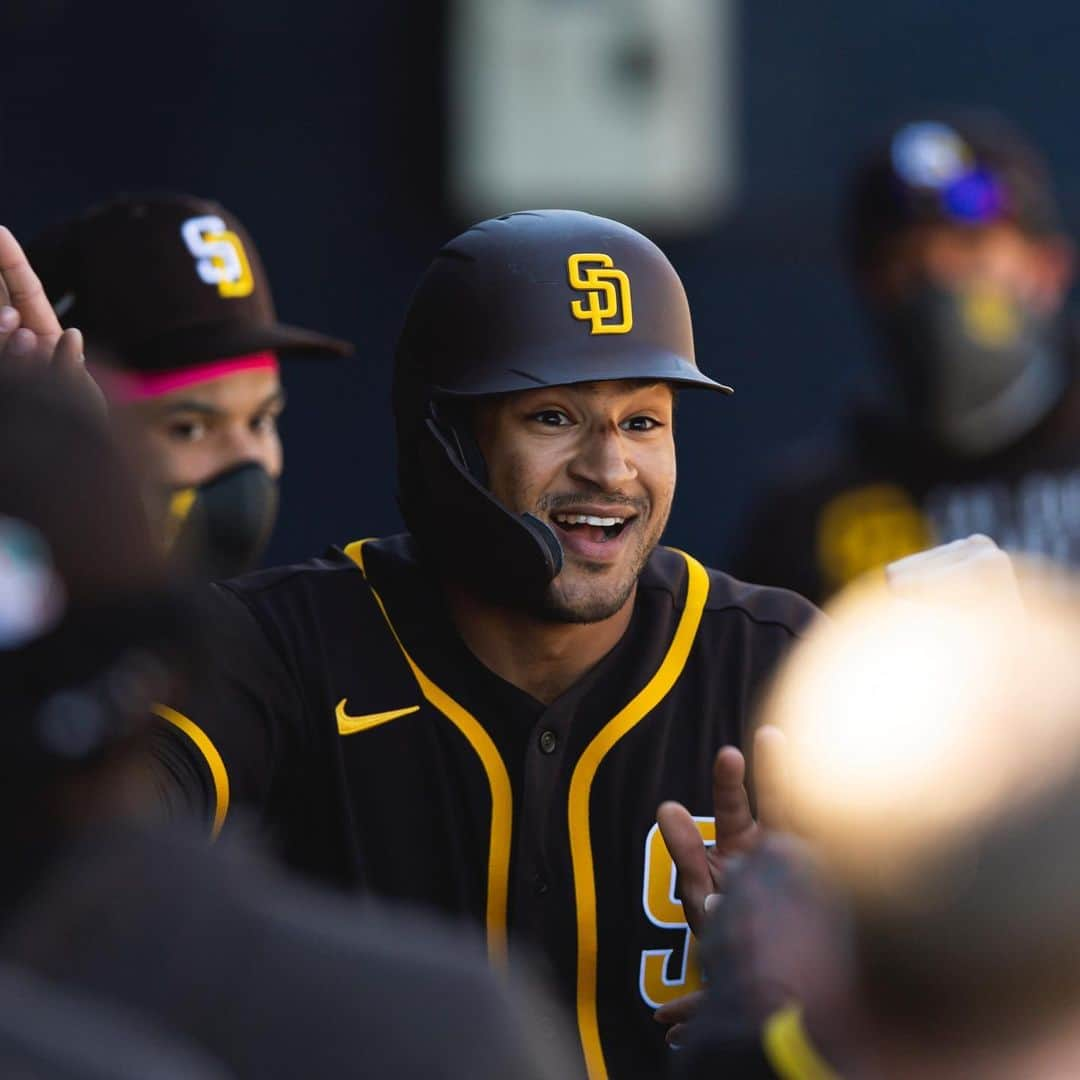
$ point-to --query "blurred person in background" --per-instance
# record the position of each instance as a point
(181, 334)
(927, 925)
(960, 260)
(142, 942)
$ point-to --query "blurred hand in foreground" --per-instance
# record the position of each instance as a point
(31, 338)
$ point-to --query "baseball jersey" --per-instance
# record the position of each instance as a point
(383, 756)
(841, 507)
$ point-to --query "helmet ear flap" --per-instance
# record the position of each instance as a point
(454, 426)
(516, 557)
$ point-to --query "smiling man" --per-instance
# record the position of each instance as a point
(182, 336)
(483, 714)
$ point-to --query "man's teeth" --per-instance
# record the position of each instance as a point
(588, 519)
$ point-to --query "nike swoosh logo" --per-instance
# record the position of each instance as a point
(350, 725)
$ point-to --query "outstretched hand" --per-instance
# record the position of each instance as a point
(701, 869)
(31, 338)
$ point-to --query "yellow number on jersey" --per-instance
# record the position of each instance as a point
(667, 974)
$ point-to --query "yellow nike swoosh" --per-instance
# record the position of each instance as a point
(350, 725)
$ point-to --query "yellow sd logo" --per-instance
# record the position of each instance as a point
(219, 255)
(608, 306)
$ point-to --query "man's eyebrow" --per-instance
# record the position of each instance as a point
(206, 408)
(203, 407)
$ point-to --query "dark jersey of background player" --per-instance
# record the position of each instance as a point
(181, 334)
(368, 705)
(960, 260)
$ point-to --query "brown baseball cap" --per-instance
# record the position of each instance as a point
(164, 282)
(953, 168)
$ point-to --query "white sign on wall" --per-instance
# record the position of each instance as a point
(622, 107)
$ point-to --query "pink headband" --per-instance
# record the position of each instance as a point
(126, 386)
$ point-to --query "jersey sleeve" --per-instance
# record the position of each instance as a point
(225, 740)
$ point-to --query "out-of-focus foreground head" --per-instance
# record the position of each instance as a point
(934, 763)
(89, 634)
(182, 334)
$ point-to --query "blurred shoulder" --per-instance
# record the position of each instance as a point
(728, 599)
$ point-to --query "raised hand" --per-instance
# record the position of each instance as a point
(968, 572)
(31, 338)
(702, 870)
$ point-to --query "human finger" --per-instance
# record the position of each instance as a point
(25, 289)
(675, 1035)
(21, 350)
(69, 366)
(687, 850)
(9, 323)
(68, 354)
(770, 783)
(735, 826)
(681, 1009)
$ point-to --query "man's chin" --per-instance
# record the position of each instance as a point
(591, 603)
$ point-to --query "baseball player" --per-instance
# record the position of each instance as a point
(483, 714)
(182, 336)
(961, 262)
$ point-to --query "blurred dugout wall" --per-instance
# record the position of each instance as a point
(621, 107)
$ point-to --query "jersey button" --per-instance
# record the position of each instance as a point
(540, 885)
(548, 741)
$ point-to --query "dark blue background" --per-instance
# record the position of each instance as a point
(320, 125)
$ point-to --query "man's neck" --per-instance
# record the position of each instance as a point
(541, 657)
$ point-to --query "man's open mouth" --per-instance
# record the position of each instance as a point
(595, 527)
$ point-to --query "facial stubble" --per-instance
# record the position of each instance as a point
(560, 605)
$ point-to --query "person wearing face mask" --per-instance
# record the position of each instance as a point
(182, 336)
(961, 262)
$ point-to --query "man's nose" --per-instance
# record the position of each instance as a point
(604, 460)
(245, 445)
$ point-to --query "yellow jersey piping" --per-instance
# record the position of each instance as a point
(502, 803)
(209, 751)
(671, 667)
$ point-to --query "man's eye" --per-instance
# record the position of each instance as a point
(187, 430)
(552, 418)
(265, 424)
(641, 423)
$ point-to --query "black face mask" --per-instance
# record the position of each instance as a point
(975, 367)
(220, 528)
